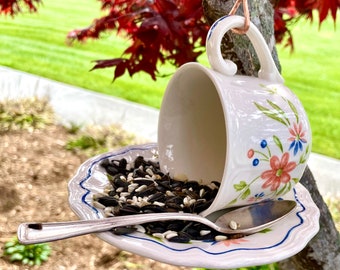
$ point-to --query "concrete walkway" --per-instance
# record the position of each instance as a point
(81, 107)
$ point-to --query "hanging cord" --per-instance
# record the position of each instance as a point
(241, 31)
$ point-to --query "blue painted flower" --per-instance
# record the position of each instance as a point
(256, 197)
(259, 195)
(263, 144)
(297, 138)
(256, 162)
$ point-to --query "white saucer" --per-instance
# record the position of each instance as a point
(284, 239)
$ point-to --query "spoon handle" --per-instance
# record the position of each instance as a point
(33, 233)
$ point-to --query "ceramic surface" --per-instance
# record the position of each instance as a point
(251, 134)
(283, 240)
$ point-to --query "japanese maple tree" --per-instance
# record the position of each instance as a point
(171, 31)
(175, 30)
(160, 31)
(13, 7)
(288, 10)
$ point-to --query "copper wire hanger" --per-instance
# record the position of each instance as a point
(241, 31)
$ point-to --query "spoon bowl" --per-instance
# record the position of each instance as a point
(245, 220)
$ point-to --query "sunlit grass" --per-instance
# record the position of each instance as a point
(312, 71)
(35, 43)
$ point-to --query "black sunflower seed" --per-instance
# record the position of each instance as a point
(166, 177)
(122, 164)
(200, 205)
(139, 161)
(143, 181)
(180, 238)
(139, 173)
(112, 170)
(191, 194)
(157, 197)
(129, 210)
(176, 184)
(119, 182)
(153, 164)
(153, 208)
(173, 207)
(147, 191)
(192, 232)
(123, 230)
(176, 225)
(154, 227)
(105, 162)
(191, 184)
(108, 201)
(164, 184)
(174, 200)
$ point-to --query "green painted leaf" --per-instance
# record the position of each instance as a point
(296, 180)
(280, 111)
(292, 106)
(267, 230)
(270, 90)
(302, 159)
(245, 194)
(289, 186)
(277, 141)
(240, 186)
(270, 113)
(281, 191)
(233, 201)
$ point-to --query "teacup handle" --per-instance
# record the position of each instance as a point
(268, 70)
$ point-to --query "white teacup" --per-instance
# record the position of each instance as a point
(250, 134)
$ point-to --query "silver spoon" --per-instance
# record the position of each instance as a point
(249, 219)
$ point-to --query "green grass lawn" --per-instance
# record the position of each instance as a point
(313, 73)
(35, 43)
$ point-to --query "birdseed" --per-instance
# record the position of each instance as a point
(140, 187)
(233, 225)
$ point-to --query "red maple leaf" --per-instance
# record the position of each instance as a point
(160, 31)
(12, 7)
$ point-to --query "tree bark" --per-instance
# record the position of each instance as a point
(323, 251)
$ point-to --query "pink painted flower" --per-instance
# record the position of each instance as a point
(297, 137)
(279, 172)
(250, 153)
(236, 241)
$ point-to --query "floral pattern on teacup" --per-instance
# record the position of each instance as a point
(297, 137)
(277, 178)
(279, 172)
